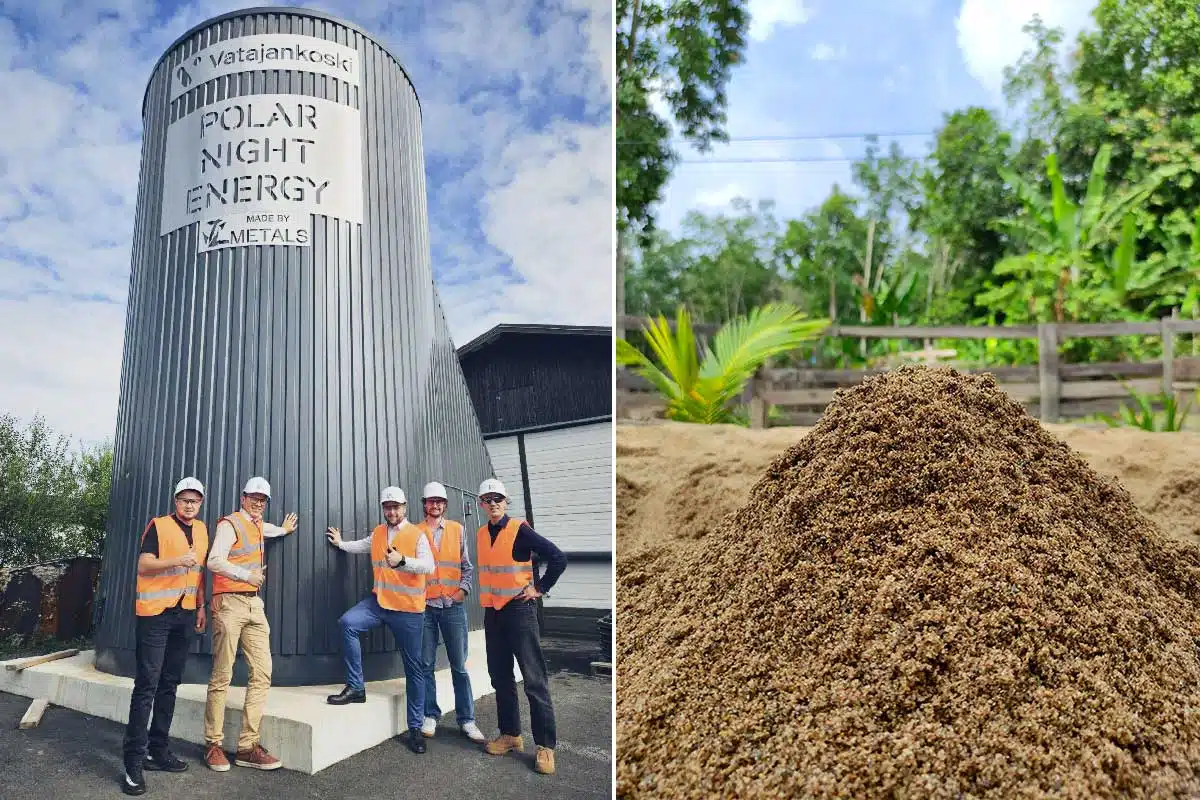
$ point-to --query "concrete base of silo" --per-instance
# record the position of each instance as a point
(299, 727)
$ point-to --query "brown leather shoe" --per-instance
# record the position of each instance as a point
(257, 758)
(544, 761)
(503, 743)
(215, 758)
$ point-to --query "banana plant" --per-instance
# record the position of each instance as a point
(705, 389)
(1064, 238)
(890, 300)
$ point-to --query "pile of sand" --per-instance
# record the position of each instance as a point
(927, 596)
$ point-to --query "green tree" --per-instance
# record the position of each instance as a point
(1140, 93)
(823, 252)
(732, 268)
(684, 52)
(53, 501)
(722, 265)
(37, 483)
(962, 191)
(93, 476)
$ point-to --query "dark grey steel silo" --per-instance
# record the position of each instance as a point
(283, 321)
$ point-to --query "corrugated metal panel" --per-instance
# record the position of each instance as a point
(527, 380)
(328, 369)
(506, 460)
(570, 486)
(583, 585)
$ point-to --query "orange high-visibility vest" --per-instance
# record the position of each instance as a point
(444, 581)
(161, 590)
(500, 577)
(246, 552)
(394, 589)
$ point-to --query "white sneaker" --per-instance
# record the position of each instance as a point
(429, 726)
(473, 733)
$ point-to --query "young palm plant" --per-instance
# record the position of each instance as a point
(1140, 413)
(705, 390)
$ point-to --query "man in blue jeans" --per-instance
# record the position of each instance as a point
(400, 561)
(445, 591)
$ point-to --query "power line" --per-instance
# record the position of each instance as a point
(768, 160)
(802, 137)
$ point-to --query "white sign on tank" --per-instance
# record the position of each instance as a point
(253, 170)
(265, 51)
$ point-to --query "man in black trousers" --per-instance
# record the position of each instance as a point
(508, 591)
(169, 604)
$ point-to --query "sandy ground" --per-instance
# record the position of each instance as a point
(674, 480)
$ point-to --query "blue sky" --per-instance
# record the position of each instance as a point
(824, 68)
(516, 97)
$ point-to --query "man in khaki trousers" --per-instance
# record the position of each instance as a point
(236, 560)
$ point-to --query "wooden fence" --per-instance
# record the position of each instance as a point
(1051, 390)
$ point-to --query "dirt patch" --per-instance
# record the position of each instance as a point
(669, 464)
(929, 595)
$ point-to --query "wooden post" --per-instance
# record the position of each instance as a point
(759, 412)
(33, 661)
(1168, 356)
(33, 716)
(1048, 383)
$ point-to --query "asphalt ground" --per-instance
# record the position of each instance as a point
(71, 756)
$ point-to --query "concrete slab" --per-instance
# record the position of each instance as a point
(75, 756)
(299, 727)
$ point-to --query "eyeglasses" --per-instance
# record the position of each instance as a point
(187, 501)
(493, 499)
(436, 501)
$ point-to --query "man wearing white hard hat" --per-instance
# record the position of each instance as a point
(400, 561)
(508, 591)
(446, 614)
(169, 606)
(238, 564)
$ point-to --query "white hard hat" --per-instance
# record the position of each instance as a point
(392, 494)
(492, 486)
(434, 489)
(258, 485)
(189, 483)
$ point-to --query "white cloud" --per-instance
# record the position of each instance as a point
(898, 80)
(63, 360)
(756, 170)
(823, 51)
(544, 217)
(521, 185)
(767, 15)
(990, 37)
(719, 198)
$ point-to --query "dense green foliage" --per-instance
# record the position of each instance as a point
(1086, 210)
(680, 53)
(53, 500)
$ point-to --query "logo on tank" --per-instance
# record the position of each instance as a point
(266, 51)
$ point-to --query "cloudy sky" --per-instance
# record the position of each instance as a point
(819, 69)
(517, 107)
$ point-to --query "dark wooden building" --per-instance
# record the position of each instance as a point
(525, 376)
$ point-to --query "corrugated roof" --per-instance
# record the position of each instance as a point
(490, 336)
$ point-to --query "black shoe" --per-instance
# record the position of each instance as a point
(165, 762)
(133, 782)
(347, 695)
(416, 742)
